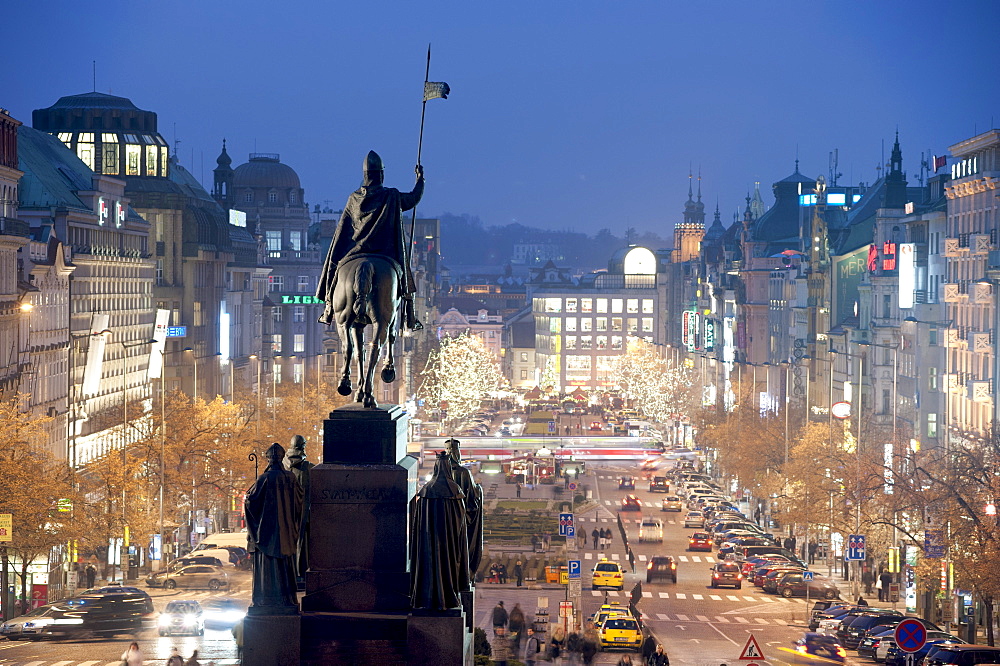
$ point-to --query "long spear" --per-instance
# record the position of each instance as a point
(432, 90)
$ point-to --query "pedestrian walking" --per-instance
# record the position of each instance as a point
(237, 631)
(574, 646)
(608, 537)
(868, 579)
(626, 660)
(595, 535)
(518, 573)
(175, 658)
(518, 491)
(883, 591)
(500, 649)
(500, 618)
(659, 657)
(91, 575)
(556, 642)
(813, 547)
(503, 573)
(648, 648)
(532, 648)
(591, 641)
(515, 627)
(132, 656)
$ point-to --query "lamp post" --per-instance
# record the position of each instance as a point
(256, 358)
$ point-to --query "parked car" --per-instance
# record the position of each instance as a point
(814, 648)
(661, 566)
(187, 560)
(793, 585)
(631, 503)
(671, 503)
(651, 529)
(769, 577)
(191, 576)
(963, 655)
(726, 573)
(182, 618)
(872, 640)
(935, 640)
(101, 615)
(873, 623)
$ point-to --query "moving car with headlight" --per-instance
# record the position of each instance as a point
(651, 529)
(694, 519)
(726, 573)
(700, 541)
(25, 626)
(182, 618)
(814, 648)
(626, 483)
(661, 566)
(222, 613)
(620, 632)
(100, 615)
(671, 503)
(659, 484)
(631, 503)
(191, 576)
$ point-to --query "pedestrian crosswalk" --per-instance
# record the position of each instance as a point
(595, 519)
(717, 619)
(684, 596)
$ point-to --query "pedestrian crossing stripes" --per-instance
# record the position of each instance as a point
(683, 596)
(718, 619)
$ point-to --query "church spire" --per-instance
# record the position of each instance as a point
(223, 185)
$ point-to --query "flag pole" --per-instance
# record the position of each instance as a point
(420, 145)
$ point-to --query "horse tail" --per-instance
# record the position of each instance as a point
(362, 288)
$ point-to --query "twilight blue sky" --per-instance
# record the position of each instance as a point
(581, 114)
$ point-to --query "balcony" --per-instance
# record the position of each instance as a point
(982, 293)
(951, 247)
(979, 244)
(951, 292)
(980, 341)
(980, 391)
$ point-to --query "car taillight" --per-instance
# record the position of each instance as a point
(739, 576)
(801, 649)
(841, 653)
(673, 566)
(715, 575)
(650, 566)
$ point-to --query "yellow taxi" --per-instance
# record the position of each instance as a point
(608, 610)
(608, 574)
(620, 632)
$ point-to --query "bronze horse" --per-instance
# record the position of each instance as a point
(367, 293)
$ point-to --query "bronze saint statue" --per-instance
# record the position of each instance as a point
(366, 274)
(273, 509)
(473, 503)
(296, 463)
(439, 547)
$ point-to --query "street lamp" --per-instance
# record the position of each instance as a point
(256, 358)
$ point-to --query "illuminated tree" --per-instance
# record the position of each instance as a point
(458, 376)
(656, 387)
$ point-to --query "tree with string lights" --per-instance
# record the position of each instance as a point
(459, 374)
(657, 388)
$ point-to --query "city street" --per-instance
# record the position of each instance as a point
(698, 625)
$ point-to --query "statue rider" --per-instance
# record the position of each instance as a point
(372, 224)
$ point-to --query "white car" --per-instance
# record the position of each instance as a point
(651, 529)
(694, 519)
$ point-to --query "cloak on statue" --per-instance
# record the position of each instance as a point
(371, 224)
(439, 546)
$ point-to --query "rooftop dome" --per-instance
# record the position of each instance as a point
(92, 100)
(265, 170)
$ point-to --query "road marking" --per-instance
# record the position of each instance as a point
(767, 599)
(741, 620)
(697, 596)
(683, 558)
(778, 620)
(683, 618)
(664, 595)
(648, 595)
(760, 620)
(680, 595)
(595, 593)
(701, 618)
(614, 556)
(642, 558)
(732, 597)
(715, 597)
(749, 598)
(607, 502)
(719, 618)
(90, 663)
(662, 616)
(613, 593)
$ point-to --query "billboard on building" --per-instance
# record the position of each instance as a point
(907, 274)
(847, 272)
(155, 368)
(95, 354)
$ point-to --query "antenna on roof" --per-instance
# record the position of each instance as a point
(834, 163)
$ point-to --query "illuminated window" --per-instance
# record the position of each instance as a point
(85, 148)
(586, 324)
(276, 344)
(295, 240)
(602, 342)
(66, 137)
(616, 305)
(150, 160)
(586, 342)
(524, 374)
(524, 356)
(132, 155)
(571, 305)
(932, 378)
(299, 314)
(932, 425)
(586, 305)
(272, 197)
(639, 261)
(555, 325)
(109, 154)
(633, 325)
(570, 342)
(647, 324)
(602, 305)
(616, 342)
(632, 305)
(570, 324)
(299, 344)
(303, 283)
(164, 160)
(198, 318)
(553, 305)
(298, 370)
(578, 367)
(647, 306)
(276, 315)
(276, 282)
(616, 323)
(273, 242)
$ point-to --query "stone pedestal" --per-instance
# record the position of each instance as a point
(271, 640)
(439, 639)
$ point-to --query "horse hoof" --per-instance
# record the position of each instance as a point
(359, 397)
(345, 387)
(388, 375)
(370, 403)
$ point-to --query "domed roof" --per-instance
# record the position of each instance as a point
(265, 170)
(93, 100)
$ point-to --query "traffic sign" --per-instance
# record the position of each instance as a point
(574, 569)
(910, 635)
(807, 575)
(567, 526)
(552, 426)
(752, 651)
(855, 547)
(573, 485)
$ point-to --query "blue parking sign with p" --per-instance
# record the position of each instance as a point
(567, 527)
(574, 569)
